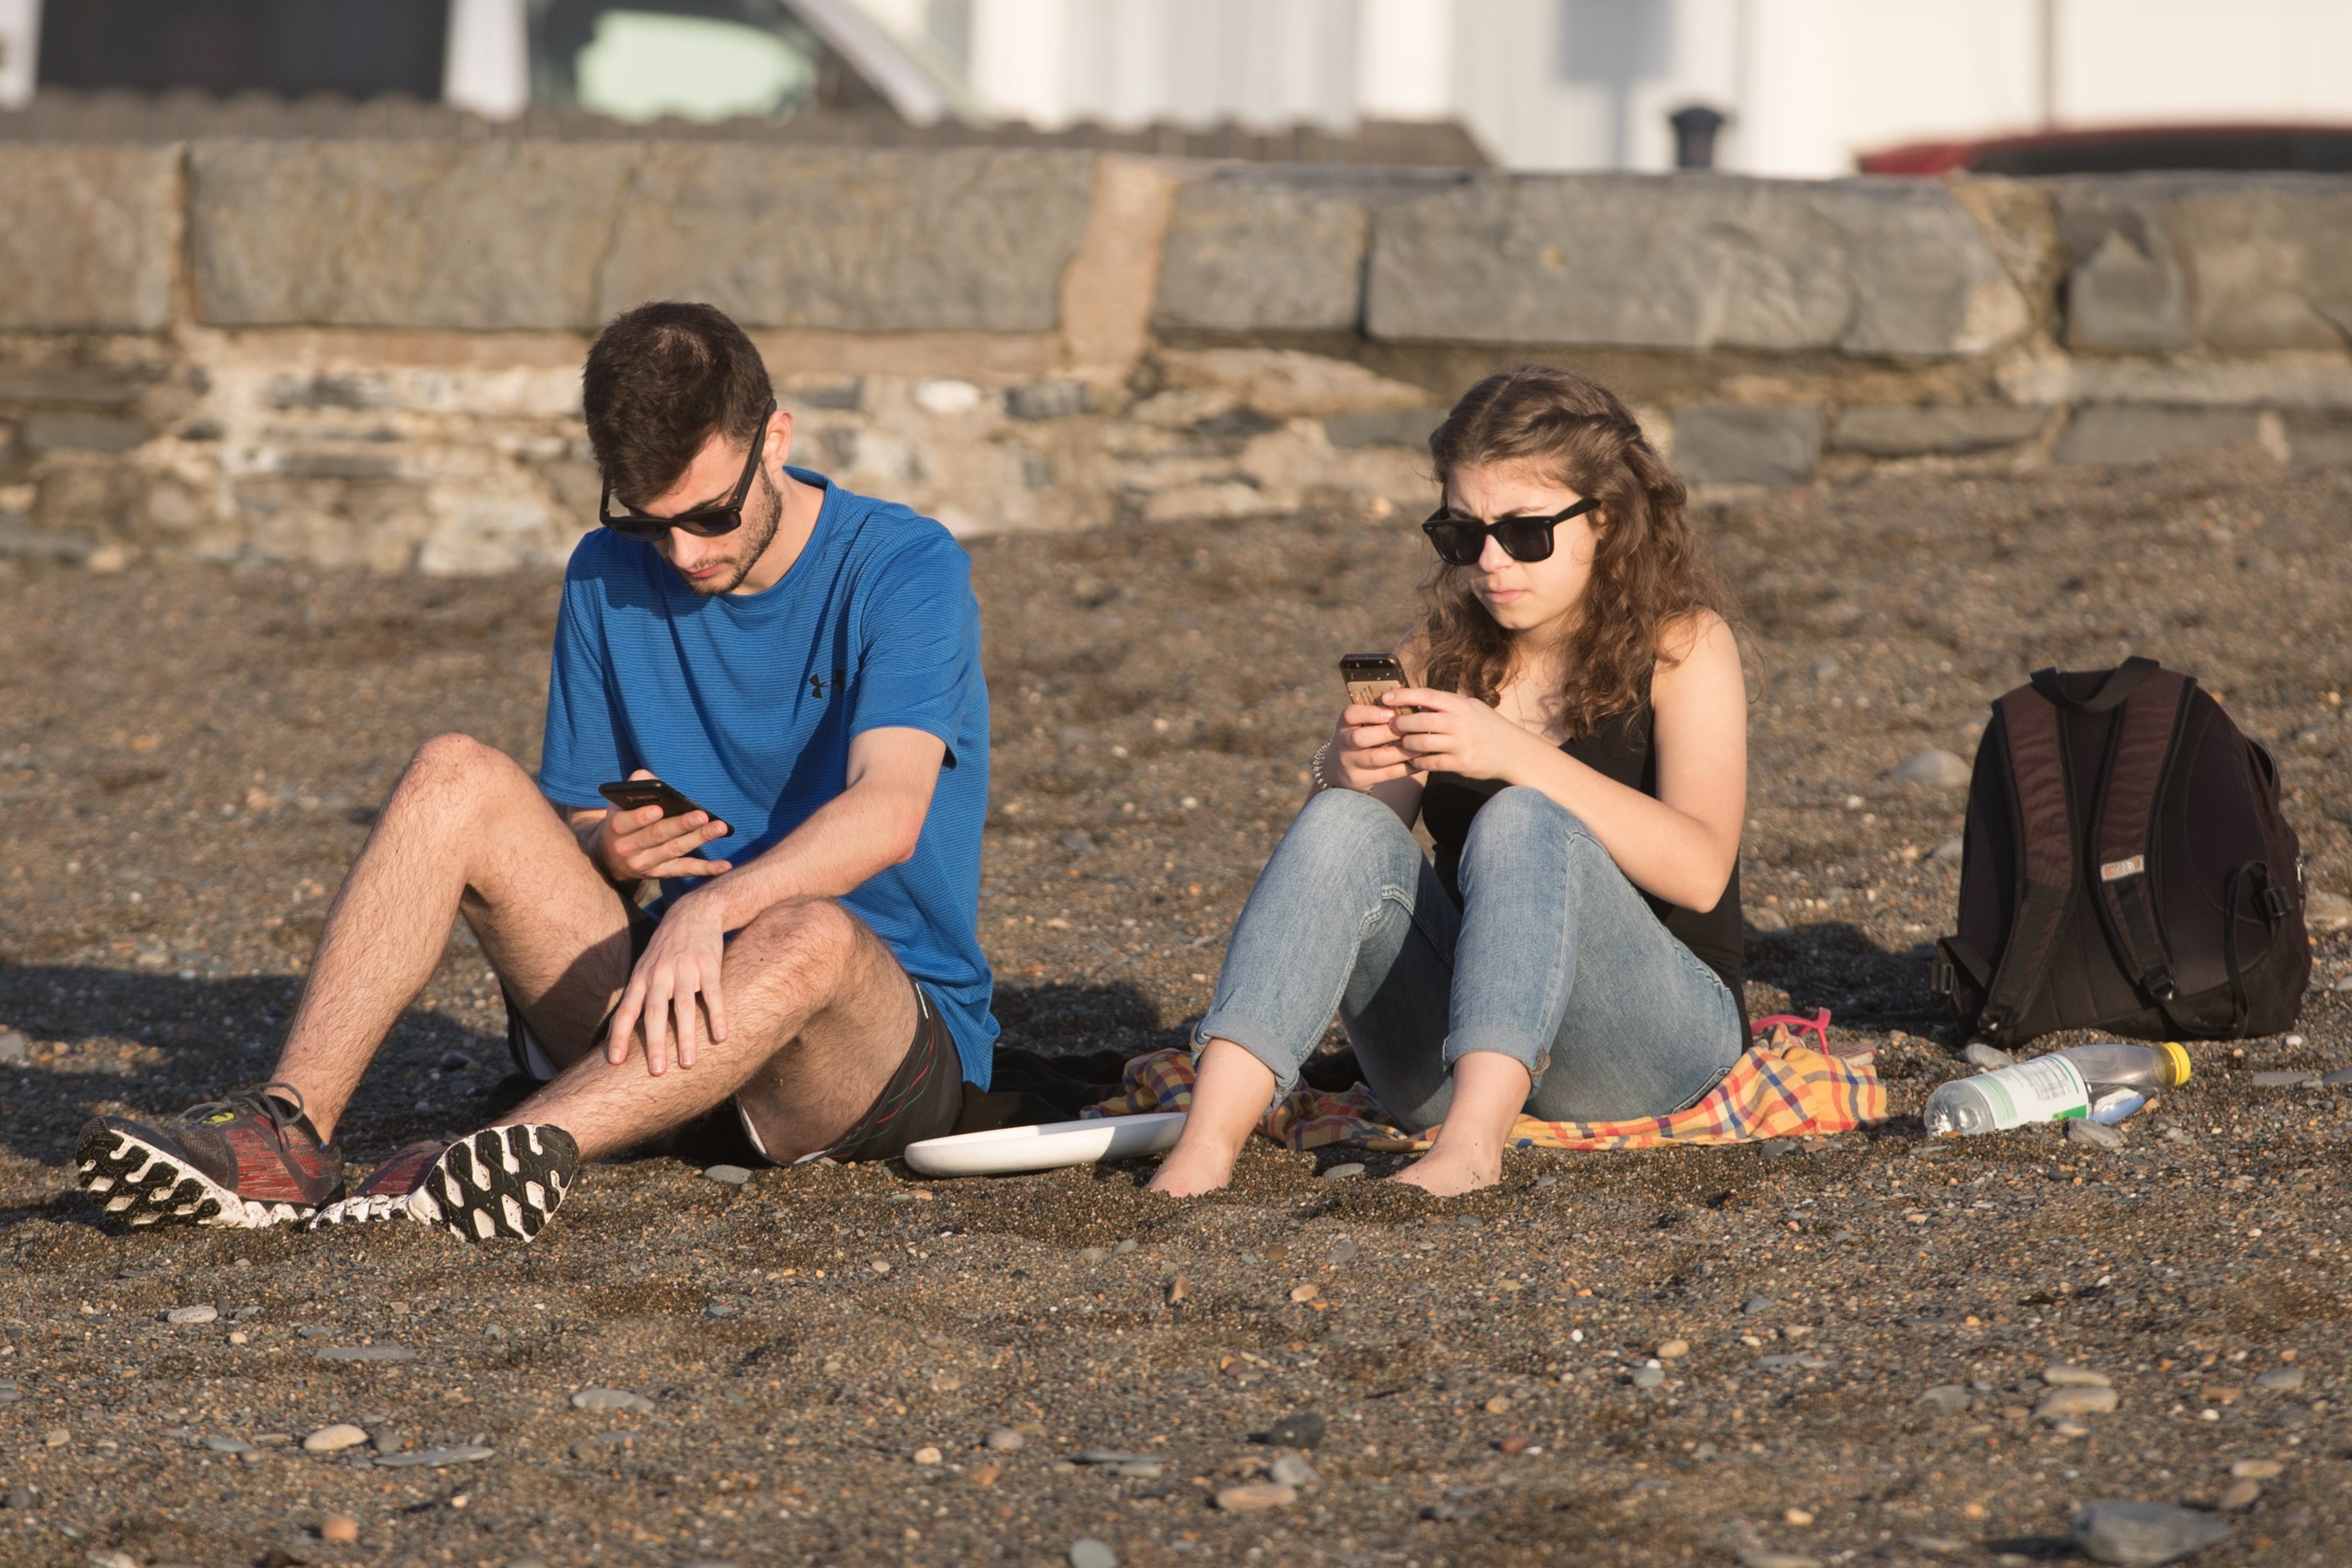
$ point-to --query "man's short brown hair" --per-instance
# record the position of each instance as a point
(660, 381)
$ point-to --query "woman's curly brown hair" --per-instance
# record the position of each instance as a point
(1648, 567)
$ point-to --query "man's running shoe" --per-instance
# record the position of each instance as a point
(387, 1191)
(248, 1161)
(502, 1182)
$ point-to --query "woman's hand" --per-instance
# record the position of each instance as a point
(1364, 750)
(1458, 734)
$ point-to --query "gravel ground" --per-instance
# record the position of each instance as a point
(188, 756)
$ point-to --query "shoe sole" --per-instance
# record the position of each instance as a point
(144, 1185)
(503, 1183)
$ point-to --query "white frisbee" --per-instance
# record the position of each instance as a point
(1045, 1148)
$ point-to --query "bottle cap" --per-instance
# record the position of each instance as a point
(2176, 1064)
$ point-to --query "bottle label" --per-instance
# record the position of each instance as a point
(2047, 1088)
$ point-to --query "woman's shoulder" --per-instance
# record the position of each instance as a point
(1414, 653)
(1697, 632)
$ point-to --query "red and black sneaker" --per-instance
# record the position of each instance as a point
(249, 1161)
(502, 1183)
(388, 1189)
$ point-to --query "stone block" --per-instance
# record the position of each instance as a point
(1046, 400)
(1874, 267)
(82, 433)
(852, 239)
(2230, 263)
(72, 386)
(1729, 443)
(481, 236)
(2123, 433)
(1390, 427)
(89, 236)
(2315, 440)
(1896, 430)
(1262, 250)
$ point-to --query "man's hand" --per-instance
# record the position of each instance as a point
(632, 846)
(680, 964)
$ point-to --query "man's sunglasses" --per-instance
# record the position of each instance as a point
(1460, 541)
(703, 521)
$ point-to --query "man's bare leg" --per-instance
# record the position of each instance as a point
(819, 1017)
(465, 829)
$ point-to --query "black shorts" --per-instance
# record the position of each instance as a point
(923, 1098)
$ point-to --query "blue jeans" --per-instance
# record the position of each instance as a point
(1554, 960)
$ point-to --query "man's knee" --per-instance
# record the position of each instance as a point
(816, 934)
(458, 765)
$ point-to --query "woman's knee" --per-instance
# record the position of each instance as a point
(1514, 817)
(1349, 825)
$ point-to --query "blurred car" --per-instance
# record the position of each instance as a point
(2122, 149)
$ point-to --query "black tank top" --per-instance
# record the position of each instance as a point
(1620, 749)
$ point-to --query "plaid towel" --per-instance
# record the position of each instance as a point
(1777, 1088)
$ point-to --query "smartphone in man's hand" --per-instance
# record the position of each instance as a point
(636, 794)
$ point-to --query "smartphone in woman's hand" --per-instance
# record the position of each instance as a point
(1370, 676)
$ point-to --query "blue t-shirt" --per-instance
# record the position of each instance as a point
(748, 703)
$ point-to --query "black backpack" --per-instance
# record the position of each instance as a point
(2126, 867)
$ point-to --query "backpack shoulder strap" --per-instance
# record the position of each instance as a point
(2139, 750)
(2034, 729)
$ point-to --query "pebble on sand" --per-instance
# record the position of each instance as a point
(1256, 1495)
(1304, 1292)
(339, 1527)
(1004, 1439)
(1990, 1057)
(729, 1175)
(1938, 769)
(927, 1455)
(610, 1399)
(1500, 1405)
(2097, 1135)
(1346, 1173)
(203, 1312)
(1756, 1305)
(1299, 1429)
(435, 1459)
(335, 1438)
(1088, 1553)
(2238, 1497)
(1674, 1349)
(1777, 1560)
(2143, 1534)
(1946, 1399)
(367, 1354)
(2280, 1379)
(1290, 1470)
(2061, 1403)
(2285, 1078)
(2062, 1374)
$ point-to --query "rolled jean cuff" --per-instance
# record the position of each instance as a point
(1524, 1049)
(1253, 1037)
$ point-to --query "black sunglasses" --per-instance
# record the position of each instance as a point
(703, 521)
(1461, 541)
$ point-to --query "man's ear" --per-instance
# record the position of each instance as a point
(779, 438)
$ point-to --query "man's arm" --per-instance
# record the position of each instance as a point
(872, 825)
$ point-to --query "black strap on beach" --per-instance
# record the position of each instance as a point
(2122, 841)
(2034, 731)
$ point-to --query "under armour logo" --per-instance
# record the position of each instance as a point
(816, 683)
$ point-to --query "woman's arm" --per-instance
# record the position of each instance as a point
(1680, 846)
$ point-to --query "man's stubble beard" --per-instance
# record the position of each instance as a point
(756, 533)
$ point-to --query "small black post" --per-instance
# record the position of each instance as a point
(1695, 131)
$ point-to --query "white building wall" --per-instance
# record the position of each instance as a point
(1581, 84)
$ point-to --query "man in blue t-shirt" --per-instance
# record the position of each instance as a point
(793, 675)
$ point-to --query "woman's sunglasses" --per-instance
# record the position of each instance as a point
(1460, 541)
(703, 521)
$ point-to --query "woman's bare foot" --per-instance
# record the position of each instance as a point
(1231, 1089)
(1441, 1177)
(1488, 1090)
(1187, 1176)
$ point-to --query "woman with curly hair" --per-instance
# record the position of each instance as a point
(1574, 739)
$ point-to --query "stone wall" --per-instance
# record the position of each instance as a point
(367, 352)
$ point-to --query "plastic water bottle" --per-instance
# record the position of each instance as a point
(2059, 1086)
